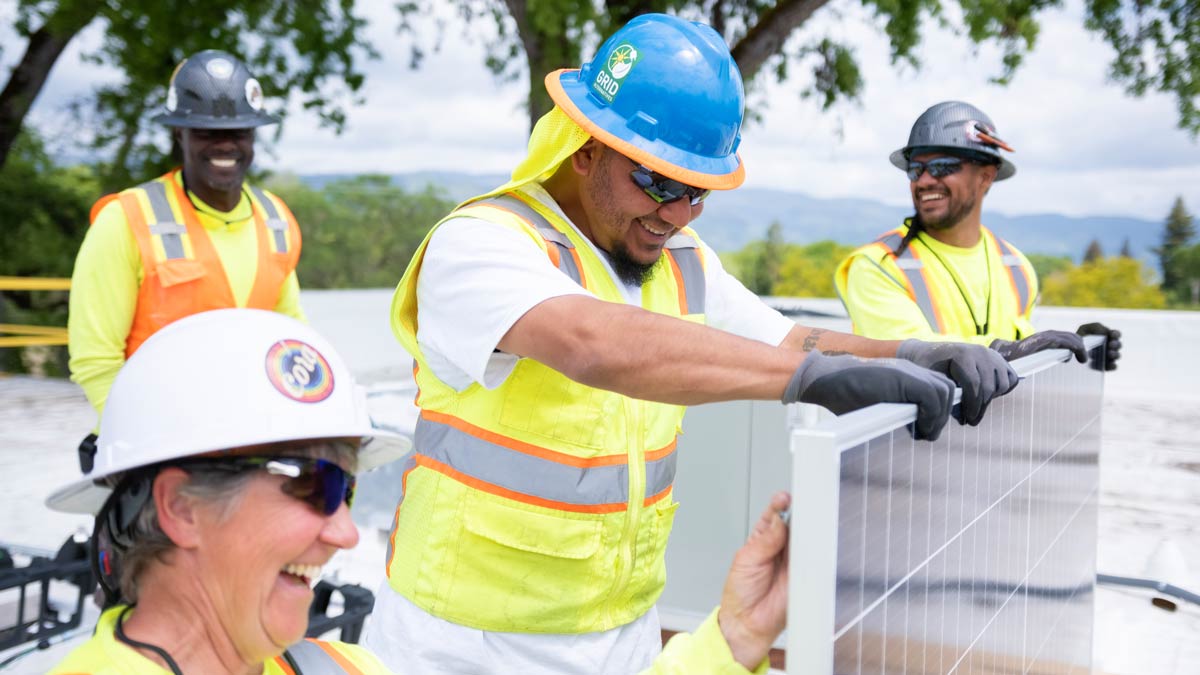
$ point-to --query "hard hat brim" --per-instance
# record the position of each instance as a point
(710, 173)
(87, 495)
(899, 159)
(195, 122)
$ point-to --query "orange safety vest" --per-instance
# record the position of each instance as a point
(183, 273)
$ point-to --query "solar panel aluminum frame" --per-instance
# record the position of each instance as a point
(813, 539)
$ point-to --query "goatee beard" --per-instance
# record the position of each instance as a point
(629, 271)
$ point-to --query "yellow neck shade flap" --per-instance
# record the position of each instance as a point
(555, 137)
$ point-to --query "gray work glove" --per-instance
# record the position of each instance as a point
(981, 372)
(844, 383)
(1040, 341)
(1112, 350)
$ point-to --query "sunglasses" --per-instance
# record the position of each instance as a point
(938, 168)
(665, 190)
(322, 484)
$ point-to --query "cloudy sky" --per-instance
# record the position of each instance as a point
(1083, 146)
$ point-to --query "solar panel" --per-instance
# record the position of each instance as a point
(971, 554)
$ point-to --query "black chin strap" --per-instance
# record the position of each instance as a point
(162, 653)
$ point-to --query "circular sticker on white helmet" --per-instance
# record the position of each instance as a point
(254, 95)
(219, 68)
(172, 99)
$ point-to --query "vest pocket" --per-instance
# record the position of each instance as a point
(172, 272)
(533, 532)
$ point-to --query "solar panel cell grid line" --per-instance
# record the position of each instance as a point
(972, 554)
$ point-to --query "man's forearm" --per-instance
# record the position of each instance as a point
(649, 356)
(831, 342)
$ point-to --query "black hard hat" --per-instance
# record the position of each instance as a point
(214, 90)
(956, 128)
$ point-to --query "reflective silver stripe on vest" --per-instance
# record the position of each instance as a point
(165, 227)
(309, 659)
(534, 476)
(566, 261)
(911, 266)
(686, 252)
(276, 224)
(1013, 262)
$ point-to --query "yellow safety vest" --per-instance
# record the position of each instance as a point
(927, 282)
(104, 654)
(543, 505)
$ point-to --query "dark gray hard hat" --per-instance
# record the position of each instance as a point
(956, 128)
(214, 90)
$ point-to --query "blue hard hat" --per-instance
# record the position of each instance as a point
(664, 92)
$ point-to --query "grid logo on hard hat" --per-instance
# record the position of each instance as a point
(620, 62)
(298, 371)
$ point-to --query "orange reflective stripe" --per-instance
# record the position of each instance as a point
(283, 665)
(482, 486)
(654, 499)
(338, 657)
(100, 204)
(680, 286)
(522, 446)
(937, 310)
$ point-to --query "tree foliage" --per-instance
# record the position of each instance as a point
(1105, 282)
(772, 267)
(1178, 232)
(1162, 52)
(359, 232)
(43, 215)
(1045, 265)
(1093, 252)
(303, 50)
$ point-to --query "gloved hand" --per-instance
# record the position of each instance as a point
(1040, 341)
(844, 383)
(1112, 351)
(982, 373)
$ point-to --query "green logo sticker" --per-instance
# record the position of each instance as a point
(620, 62)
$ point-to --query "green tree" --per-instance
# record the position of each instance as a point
(1126, 249)
(1159, 50)
(302, 49)
(1045, 265)
(1177, 233)
(807, 271)
(359, 232)
(1105, 282)
(1094, 252)
(43, 215)
(1187, 266)
(757, 264)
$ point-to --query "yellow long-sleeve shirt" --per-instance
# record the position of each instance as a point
(108, 273)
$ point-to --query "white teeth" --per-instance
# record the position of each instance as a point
(308, 572)
(929, 196)
(651, 230)
(223, 163)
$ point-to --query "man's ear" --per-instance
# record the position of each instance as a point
(585, 159)
(177, 512)
(988, 176)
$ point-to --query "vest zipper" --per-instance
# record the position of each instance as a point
(626, 550)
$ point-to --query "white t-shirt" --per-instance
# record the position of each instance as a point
(478, 278)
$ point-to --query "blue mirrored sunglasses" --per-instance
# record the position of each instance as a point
(321, 483)
(665, 190)
(939, 167)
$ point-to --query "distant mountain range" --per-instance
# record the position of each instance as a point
(733, 219)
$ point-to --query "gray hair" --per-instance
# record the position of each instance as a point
(210, 484)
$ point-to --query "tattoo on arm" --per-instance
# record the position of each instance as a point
(814, 336)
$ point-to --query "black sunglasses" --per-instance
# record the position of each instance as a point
(665, 190)
(321, 483)
(939, 167)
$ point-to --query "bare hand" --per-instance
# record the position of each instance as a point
(754, 603)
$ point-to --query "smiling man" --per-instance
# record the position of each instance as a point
(942, 275)
(559, 325)
(194, 239)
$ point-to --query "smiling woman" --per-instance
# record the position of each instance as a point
(207, 541)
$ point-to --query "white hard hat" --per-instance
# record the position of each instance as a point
(221, 380)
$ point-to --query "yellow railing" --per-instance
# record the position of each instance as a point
(18, 335)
